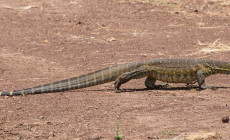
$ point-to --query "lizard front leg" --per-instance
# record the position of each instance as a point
(201, 75)
(135, 74)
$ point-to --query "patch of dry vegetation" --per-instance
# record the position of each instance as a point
(216, 46)
(206, 48)
(199, 136)
(211, 7)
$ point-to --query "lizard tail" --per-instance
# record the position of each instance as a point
(83, 81)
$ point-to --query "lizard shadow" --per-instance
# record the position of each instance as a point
(171, 89)
(165, 89)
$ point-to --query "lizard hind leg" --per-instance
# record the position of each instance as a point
(150, 83)
(127, 76)
(123, 78)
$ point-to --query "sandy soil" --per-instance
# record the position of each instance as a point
(45, 41)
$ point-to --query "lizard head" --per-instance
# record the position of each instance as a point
(223, 68)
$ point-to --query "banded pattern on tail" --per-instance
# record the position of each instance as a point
(83, 81)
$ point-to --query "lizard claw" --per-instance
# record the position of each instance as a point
(117, 90)
(213, 88)
(164, 85)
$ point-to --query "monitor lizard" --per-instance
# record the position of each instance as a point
(170, 70)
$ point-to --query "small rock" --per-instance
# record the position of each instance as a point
(49, 123)
(225, 119)
(144, 55)
(196, 11)
(110, 39)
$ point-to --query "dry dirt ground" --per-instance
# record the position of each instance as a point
(45, 41)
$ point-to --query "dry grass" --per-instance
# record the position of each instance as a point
(216, 46)
(199, 136)
(210, 48)
(210, 7)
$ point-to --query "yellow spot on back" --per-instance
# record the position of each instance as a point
(59, 86)
(166, 71)
(127, 67)
(110, 72)
(52, 86)
(102, 75)
(11, 93)
(69, 84)
(42, 88)
(181, 71)
(201, 66)
(188, 71)
(0, 93)
(87, 80)
(95, 79)
(193, 68)
(32, 90)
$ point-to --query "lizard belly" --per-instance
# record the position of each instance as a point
(175, 78)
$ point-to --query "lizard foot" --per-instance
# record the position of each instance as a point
(117, 85)
(117, 90)
(160, 86)
(166, 85)
(208, 87)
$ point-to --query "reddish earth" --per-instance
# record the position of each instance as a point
(45, 41)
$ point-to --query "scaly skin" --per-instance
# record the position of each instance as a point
(170, 70)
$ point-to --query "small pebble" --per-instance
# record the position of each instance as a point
(225, 119)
